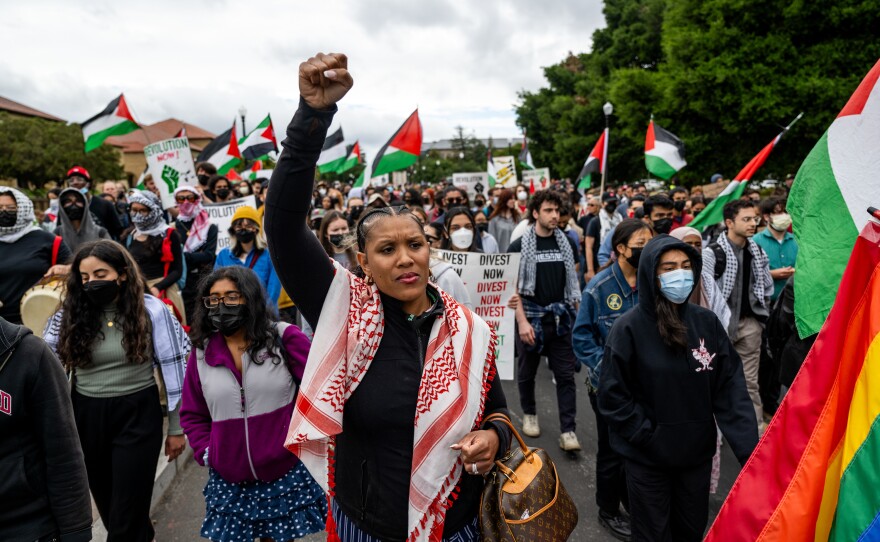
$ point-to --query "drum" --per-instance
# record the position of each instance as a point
(39, 304)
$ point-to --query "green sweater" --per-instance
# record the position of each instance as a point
(110, 374)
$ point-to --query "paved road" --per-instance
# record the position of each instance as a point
(179, 516)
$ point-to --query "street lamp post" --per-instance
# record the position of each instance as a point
(607, 109)
(242, 111)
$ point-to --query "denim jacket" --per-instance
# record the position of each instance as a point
(606, 297)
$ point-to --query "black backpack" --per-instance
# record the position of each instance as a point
(720, 260)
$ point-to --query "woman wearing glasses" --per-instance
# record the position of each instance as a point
(238, 396)
(156, 247)
(247, 248)
(200, 241)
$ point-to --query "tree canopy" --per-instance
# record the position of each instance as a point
(723, 75)
(34, 151)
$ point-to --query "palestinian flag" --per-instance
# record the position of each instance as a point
(595, 164)
(525, 157)
(252, 172)
(664, 152)
(222, 152)
(260, 142)
(352, 159)
(814, 475)
(359, 182)
(333, 153)
(714, 212)
(232, 175)
(181, 132)
(833, 187)
(402, 150)
(490, 165)
(114, 120)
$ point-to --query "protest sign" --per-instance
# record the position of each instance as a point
(505, 171)
(540, 177)
(474, 183)
(171, 164)
(490, 280)
(221, 214)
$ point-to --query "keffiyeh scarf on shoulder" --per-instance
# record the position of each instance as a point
(458, 372)
(761, 282)
(528, 265)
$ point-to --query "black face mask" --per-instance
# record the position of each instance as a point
(101, 292)
(223, 193)
(635, 256)
(74, 212)
(610, 208)
(225, 319)
(355, 212)
(483, 227)
(245, 236)
(336, 239)
(8, 218)
(679, 205)
(664, 225)
(203, 179)
(121, 207)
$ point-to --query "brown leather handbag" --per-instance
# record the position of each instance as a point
(523, 499)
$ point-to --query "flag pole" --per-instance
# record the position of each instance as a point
(607, 109)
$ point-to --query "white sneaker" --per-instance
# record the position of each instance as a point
(530, 427)
(569, 442)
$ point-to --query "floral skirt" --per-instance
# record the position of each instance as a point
(290, 507)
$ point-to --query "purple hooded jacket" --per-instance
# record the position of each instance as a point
(241, 418)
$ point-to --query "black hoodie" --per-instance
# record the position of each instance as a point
(659, 401)
(43, 485)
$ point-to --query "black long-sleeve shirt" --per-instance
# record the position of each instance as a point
(148, 255)
(374, 451)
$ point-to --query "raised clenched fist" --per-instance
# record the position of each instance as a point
(324, 79)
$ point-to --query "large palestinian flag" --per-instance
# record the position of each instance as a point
(333, 152)
(222, 152)
(260, 142)
(664, 152)
(352, 159)
(114, 120)
(402, 150)
(595, 164)
(833, 187)
(714, 212)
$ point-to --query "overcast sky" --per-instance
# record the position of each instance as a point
(459, 62)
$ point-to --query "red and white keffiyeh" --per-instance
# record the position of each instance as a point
(459, 368)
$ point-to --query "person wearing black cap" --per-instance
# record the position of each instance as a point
(669, 373)
(606, 220)
(103, 211)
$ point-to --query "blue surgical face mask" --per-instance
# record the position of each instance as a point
(676, 286)
(84, 191)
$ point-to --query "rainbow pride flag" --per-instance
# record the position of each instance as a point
(815, 474)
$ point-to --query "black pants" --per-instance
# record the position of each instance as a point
(668, 505)
(562, 362)
(121, 438)
(610, 472)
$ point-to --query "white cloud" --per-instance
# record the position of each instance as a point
(459, 62)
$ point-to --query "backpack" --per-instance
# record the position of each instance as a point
(720, 260)
(168, 256)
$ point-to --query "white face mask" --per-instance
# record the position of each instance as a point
(780, 222)
(322, 191)
(522, 196)
(462, 239)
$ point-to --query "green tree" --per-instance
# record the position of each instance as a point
(724, 75)
(35, 151)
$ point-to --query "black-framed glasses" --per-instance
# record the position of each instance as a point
(230, 300)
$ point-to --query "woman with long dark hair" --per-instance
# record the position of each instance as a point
(422, 366)
(111, 336)
(237, 426)
(504, 218)
(460, 231)
(668, 368)
(335, 237)
(608, 295)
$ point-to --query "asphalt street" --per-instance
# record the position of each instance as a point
(179, 516)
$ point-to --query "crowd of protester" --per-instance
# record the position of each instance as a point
(680, 335)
